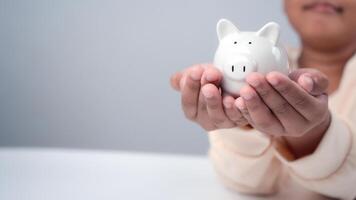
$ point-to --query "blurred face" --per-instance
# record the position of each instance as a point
(323, 24)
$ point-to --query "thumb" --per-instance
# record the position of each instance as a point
(311, 80)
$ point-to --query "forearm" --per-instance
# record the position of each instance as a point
(244, 159)
(330, 169)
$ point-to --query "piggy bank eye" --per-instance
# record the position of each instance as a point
(235, 42)
(249, 42)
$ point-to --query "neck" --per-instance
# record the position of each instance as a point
(330, 62)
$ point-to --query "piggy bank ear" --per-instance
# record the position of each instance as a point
(270, 31)
(224, 28)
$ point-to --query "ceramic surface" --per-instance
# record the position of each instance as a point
(240, 53)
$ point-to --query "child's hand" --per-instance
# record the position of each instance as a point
(277, 105)
(295, 108)
(202, 101)
(317, 86)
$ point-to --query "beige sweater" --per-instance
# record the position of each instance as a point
(251, 162)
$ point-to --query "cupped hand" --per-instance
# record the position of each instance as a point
(286, 106)
(202, 100)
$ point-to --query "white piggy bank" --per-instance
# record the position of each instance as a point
(240, 53)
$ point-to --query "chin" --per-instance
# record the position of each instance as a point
(322, 39)
(321, 31)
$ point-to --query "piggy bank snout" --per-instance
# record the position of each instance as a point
(239, 68)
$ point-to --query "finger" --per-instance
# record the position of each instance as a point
(262, 117)
(281, 109)
(232, 112)
(240, 104)
(214, 106)
(202, 114)
(190, 92)
(186, 72)
(211, 75)
(301, 101)
(175, 79)
(306, 82)
(320, 80)
(203, 117)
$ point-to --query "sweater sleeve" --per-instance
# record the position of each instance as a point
(244, 160)
(331, 169)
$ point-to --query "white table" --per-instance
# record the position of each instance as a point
(51, 174)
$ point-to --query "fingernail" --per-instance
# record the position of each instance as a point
(240, 104)
(273, 81)
(195, 75)
(182, 82)
(227, 104)
(254, 82)
(207, 94)
(210, 78)
(309, 84)
(248, 95)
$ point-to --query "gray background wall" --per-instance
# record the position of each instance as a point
(95, 74)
